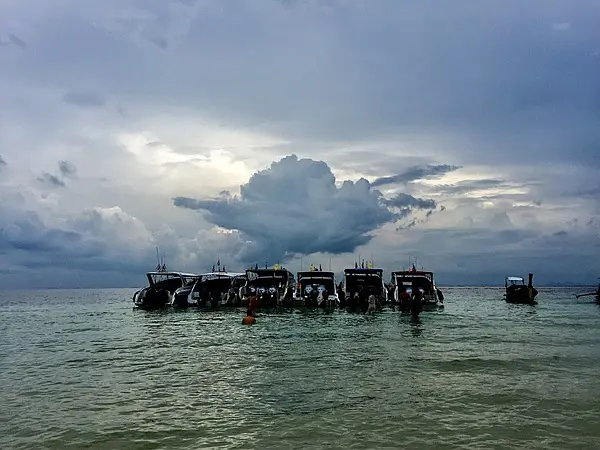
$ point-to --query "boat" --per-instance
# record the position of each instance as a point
(161, 288)
(215, 289)
(407, 280)
(359, 283)
(272, 287)
(519, 292)
(316, 289)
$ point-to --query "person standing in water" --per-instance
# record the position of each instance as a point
(404, 298)
(250, 318)
(416, 303)
(372, 303)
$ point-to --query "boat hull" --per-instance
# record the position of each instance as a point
(151, 298)
(521, 294)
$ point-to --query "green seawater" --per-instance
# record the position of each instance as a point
(82, 369)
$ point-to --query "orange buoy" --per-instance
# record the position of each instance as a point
(249, 320)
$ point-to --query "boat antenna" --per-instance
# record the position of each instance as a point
(330, 263)
(157, 260)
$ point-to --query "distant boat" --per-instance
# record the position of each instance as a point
(519, 292)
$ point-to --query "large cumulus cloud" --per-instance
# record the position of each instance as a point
(294, 206)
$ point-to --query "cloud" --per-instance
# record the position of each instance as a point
(497, 128)
(14, 40)
(50, 180)
(562, 26)
(407, 201)
(67, 169)
(2, 162)
(294, 206)
(86, 99)
(415, 173)
(467, 186)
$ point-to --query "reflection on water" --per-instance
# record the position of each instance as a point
(80, 369)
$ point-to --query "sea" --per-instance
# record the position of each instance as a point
(81, 369)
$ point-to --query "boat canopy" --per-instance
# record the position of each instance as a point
(315, 274)
(376, 272)
(278, 274)
(409, 274)
(218, 275)
(157, 277)
(514, 279)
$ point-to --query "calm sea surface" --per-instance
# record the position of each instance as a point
(81, 369)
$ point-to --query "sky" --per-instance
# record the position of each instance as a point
(465, 134)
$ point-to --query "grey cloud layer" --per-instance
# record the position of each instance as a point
(384, 67)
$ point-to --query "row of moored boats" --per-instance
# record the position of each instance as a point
(278, 287)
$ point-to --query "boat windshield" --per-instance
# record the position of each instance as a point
(267, 278)
(358, 281)
(515, 280)
(423, 281)
(170, 281)
(221, 284)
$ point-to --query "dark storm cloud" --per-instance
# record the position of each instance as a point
(90, 242)
(415, 173)
(25, 231)
(296, 207)
(67, 169)
(15, 40)
(85, 99)
(407, 201)
(50, 180)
